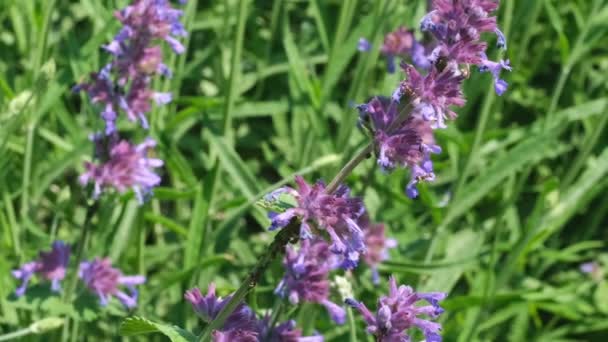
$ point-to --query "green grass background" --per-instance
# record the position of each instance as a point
(265, 92)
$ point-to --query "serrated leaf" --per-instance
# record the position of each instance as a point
(138, 325)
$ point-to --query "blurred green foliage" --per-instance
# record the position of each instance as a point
(517, 206)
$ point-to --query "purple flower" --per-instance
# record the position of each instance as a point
(306, 276)
(408, 144)
(337, 214)
(433, 94)
(495, 68)
(124, 83)
(104, 281)
(284, 332)
(589, 267)
(24, 274)
(401, 43)
(241, 325)
(364, 45)
(49, 265)
(458, 25)
(377, 247)
(127, 166)
(398, 313)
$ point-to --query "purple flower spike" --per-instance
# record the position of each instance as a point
(124, 83)
(377, 248)
(241, 325)
(337, 214)
(457, 26)
(408, 144)
(306, 276)
(104, 281)
(398, 313)
(127, 166)
(433, 94)
(49, 265)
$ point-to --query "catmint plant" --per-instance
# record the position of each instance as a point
(401, 128)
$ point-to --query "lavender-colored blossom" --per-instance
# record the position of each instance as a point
(589, 267)
(306, 276)
(398, 313)
(432, 95)
(364, 45)
(284, 332)
(377, 247)
(241, 324)
(406, 144)
(336, 213)
(127, 166)
(495, 68)
(593, 269)
(104, 280)
(49, 266)
(124, 83)
(402, 43)
(457, 26)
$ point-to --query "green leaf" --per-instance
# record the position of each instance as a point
(574, 198)
(463, 245)
(601, 297)
(139, 325)
(530, 150)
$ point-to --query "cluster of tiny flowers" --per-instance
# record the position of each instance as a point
(336, 214)
(242, 324)
(50, 266)
(400, 43)
(123, 85)
(377, 247)
(403, 124)
(126, 166)
(398, 312)
(104, 280)
(98, 275)
(407, 144)
(307, 276)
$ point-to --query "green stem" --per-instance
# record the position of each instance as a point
(16, 334)
(352, 326)
(39, 327)
(82, 242)
(586, 150)
(73, 277)
(235, 68)
(27, 169)
(348, 168)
